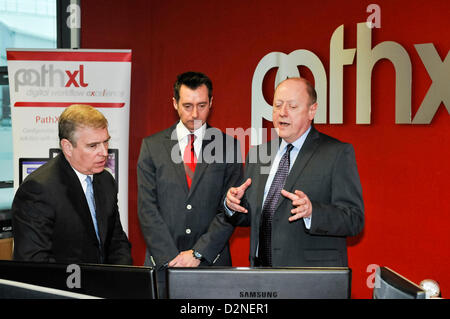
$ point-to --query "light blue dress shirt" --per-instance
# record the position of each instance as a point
(297, 146)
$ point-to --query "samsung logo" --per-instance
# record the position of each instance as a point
(258, 294)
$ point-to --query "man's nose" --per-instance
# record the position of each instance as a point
(104, 149)
(194, 112)
(283, 110)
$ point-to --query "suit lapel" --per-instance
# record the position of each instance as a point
(306, 152)
(76, 195)
(175, 158)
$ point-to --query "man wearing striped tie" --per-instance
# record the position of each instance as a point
(183, 172)
(301, 212)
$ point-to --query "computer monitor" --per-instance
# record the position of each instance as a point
(5, 224)
(105, 281)
(112, 164)
(391, 285)
(17, 290)
(259, 283)
(29, 165)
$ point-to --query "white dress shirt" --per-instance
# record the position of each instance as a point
(82, 178)
(183, 137)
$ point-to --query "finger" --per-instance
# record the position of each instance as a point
(246, 184)
(172, 263)
(303, 210)
(238, 208)
(234, 191)
(289, 195)
(233, 204)
(299, 202)
(300, 194)
(232, 199)
(295, 217)
(297, 214)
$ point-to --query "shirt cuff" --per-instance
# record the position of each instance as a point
(307, 221)
(228, 211)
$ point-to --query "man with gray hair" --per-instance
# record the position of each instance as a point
(302, 211)
(66, 211)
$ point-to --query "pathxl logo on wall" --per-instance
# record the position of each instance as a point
(367, 55)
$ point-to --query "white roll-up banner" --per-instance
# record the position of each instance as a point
(44, 82)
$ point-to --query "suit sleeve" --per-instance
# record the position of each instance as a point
(237, 218)
(220, 230)
(344, 215)
(120, 248)
(154, 229)
(33, 220)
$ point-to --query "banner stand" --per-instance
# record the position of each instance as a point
(44, 82)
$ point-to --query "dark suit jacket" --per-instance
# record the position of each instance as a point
(325, 170)
(174, 218)
(52, 221)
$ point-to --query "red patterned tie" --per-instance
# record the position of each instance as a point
(190, 160)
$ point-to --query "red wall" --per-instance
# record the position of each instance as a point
(404, 169)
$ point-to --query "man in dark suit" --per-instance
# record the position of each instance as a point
(66, 211)
(183, 173)
(302, 210)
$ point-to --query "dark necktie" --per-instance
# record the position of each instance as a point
(270, 204)
(190, 160)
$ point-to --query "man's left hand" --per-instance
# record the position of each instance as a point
(301, 202)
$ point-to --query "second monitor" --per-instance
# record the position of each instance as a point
(250, 283)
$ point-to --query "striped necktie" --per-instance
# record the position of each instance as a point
(270, 204)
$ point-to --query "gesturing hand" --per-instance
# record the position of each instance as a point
(303, 206)
(234, 196)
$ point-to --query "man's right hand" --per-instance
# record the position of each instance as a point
(234, 196)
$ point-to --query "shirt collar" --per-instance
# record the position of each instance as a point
(297, 144)
(183, 132)
(82, 177)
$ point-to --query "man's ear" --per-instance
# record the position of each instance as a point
(66, 147)
(312, 111)
(175, 104)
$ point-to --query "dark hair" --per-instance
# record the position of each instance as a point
(192, 80)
